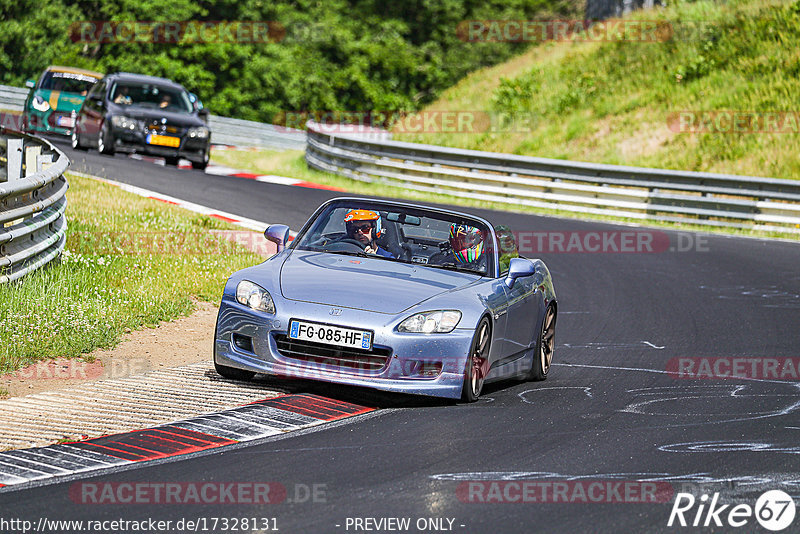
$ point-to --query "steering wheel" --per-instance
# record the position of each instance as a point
(346, 244)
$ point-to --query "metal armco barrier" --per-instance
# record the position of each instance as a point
(597, 189)
(32, 202)
(13, 98)
(239, 132)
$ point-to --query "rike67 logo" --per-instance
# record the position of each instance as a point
(774, 510)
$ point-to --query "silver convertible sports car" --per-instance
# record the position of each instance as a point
(390, 296)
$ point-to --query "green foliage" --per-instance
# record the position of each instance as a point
(616, 101)
(336, 55)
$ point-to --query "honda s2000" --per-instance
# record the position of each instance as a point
(390, 296)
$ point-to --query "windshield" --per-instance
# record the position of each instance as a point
(151, 96)
(400, 234)
(68, 82)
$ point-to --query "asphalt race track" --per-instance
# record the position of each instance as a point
(610, 414)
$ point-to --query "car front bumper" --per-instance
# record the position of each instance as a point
(47, 121)
(409, 354)
(193, 149)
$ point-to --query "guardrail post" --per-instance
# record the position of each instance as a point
(14, 154)
(44, 161)
(32, 154)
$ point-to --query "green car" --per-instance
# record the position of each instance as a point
(54, 101)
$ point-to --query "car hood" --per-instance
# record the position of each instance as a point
(61, 100)
(371, 284)
(145, 114)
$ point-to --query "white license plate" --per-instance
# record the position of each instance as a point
(330, 335)
(66, 122)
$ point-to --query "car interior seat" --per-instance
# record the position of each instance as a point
(390, 240)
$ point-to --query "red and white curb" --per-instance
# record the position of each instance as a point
(260, 419)
(221, 170)
(191, 206)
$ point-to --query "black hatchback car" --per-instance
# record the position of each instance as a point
(136, 113)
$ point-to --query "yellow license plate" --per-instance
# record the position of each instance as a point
(164, 140)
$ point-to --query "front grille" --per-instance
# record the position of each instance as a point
(165, 129)
(319, 353)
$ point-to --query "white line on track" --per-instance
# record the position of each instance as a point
(191, 206)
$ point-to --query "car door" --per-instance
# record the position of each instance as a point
(494, 296)
(91, 115)
(522, 300)
(522, 316)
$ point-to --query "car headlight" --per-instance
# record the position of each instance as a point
(124, 123)
(40, 104)
(201, 132)
(440, 322)
(255, 296)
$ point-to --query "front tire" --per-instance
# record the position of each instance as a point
(105, 141)
(477, 362)
(545, 346)
(201, 165)
(233, 373)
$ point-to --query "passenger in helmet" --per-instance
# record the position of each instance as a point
(467, 246)
(365, 227)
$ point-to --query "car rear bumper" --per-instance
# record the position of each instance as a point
(410, 356)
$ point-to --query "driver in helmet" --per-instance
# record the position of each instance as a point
(365, 227)
(467, 246)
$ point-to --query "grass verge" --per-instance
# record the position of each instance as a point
(130, 262)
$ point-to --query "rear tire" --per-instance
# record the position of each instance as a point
(233, 373)
(76, 141)
(172, 160)
(477, 366)
(545, 346)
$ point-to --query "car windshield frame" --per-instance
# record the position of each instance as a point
(308, 237)
(50, 78)
(150, 96)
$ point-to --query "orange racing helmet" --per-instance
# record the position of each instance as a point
(354, 216)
